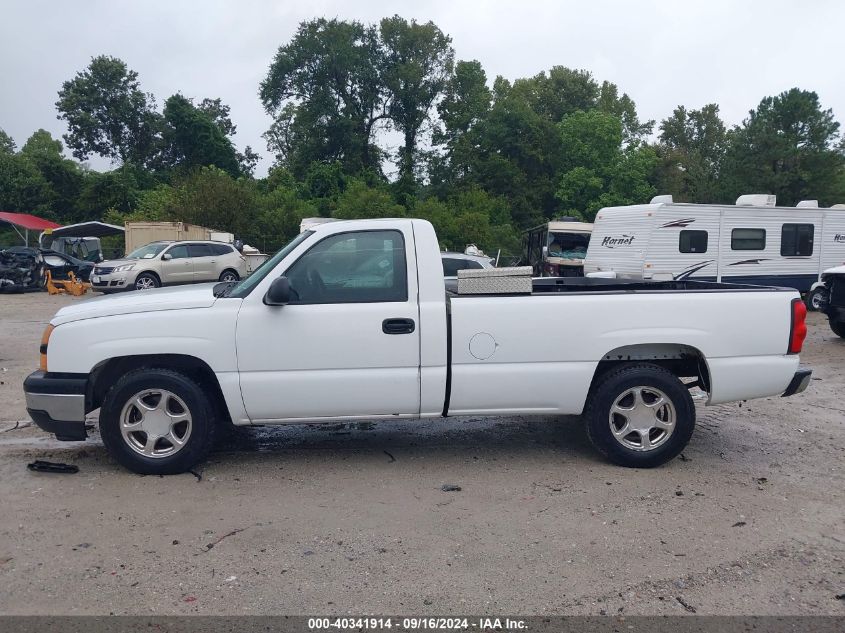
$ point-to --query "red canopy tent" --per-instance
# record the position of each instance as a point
(26, 222)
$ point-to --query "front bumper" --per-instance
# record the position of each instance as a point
(113, 281)
(799, 382)
(56, 403)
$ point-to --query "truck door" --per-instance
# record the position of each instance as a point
(179, 268)
(347, 344)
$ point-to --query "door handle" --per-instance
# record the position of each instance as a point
(398, 326)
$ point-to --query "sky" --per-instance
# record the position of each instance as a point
(662, 53)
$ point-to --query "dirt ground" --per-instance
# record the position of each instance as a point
(351, 519)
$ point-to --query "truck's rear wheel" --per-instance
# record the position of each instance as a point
(640, 416)
(157, 422)
(838, 328)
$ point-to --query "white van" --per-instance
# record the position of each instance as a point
(753, 242)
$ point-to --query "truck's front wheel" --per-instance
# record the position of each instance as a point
(640, 415)
(838, 328)
(157, 422)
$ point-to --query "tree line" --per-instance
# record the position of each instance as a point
(482, 160)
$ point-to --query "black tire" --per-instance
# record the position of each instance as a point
(838, 328)
(815, 298)
(229, 275)
(154, 281)
(199, 406)
(615, 384)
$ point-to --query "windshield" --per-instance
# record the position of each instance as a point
(147, 252)
(244, 287)
(568, 245)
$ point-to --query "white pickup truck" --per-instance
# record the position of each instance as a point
(351, 321)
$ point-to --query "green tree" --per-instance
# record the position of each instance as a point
(466, 102)
(624, 108)
(598, 171)
(7, 143)
(788, 146)
(518, 156)
(117, 189)
(418, 61)
(64, 177)
(108, 114)
(192, 139)
(361, 201)
(218, 112)
(277, 222)
(22, 186)
(324, 91)
(560, 92)
(691, 152)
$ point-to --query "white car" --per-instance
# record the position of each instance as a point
(351, 321)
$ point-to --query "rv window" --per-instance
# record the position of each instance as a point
(693, 242)
(796, 240)
(748, 239)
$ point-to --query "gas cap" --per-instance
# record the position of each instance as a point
(482, 346)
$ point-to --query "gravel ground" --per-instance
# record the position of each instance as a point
(352, 519)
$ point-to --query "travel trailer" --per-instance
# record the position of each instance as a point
(557, 248)
(752, 242)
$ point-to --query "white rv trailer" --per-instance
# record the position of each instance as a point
(752, 242)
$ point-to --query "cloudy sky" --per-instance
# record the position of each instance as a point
(662, 53)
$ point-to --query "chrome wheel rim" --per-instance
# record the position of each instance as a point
(229, 277)
(145, 283)
(642, 418)
(816, 300)
(155, 423)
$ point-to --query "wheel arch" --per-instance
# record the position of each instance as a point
(684, 361)
(152, 273)
(106, 373)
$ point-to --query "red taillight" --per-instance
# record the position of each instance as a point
(798, 327)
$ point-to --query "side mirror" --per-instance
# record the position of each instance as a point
(167, 256)
(278, 294)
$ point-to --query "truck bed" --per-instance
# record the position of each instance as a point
(594, 285)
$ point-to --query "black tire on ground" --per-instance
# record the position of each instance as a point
(150, 278)
(229, 275)
(615, 384)
(199, 406)
(838, 328)
(815, 298)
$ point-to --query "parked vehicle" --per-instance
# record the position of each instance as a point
(753, 242)
(453, 262)
(24, 268)
(81, 241)
(833, 299)
(170, 263)
(557, 249)
(351, 321)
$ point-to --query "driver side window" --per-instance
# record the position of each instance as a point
(358, 267)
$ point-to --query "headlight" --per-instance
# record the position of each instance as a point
(124, 268)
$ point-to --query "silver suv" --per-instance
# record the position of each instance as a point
(170, 263)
